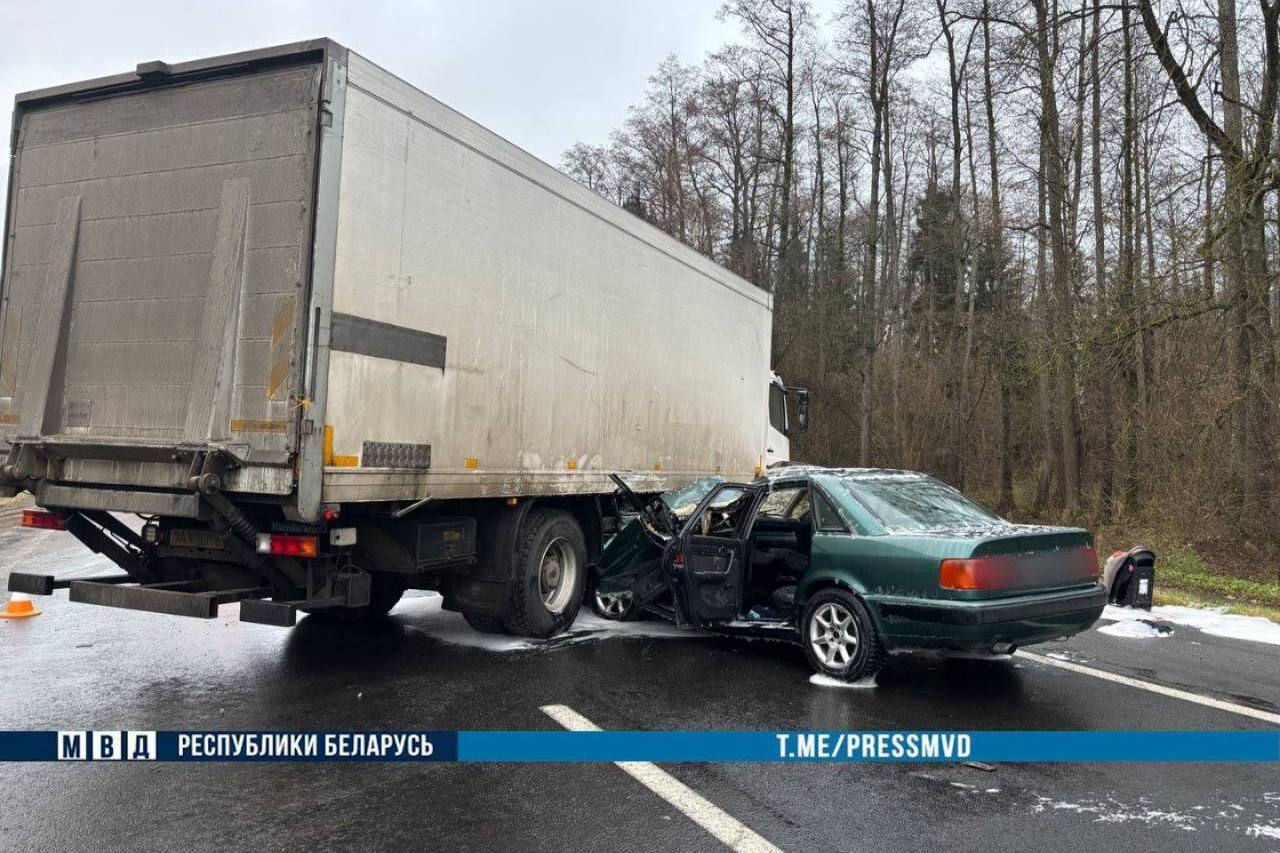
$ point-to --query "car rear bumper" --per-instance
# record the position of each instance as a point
(983, 624)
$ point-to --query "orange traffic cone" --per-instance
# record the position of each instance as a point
(20, 606)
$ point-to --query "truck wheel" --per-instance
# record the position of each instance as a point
(839, 637)
(550, 574)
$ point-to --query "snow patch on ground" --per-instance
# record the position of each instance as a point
(426, 615)
(1260, 831)
(821, 680)
(1136, 628)
(1210, 620)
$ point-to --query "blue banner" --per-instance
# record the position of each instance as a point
(656, 746)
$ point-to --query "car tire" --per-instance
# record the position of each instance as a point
(484, 624)
(838, 636)
(550, 575)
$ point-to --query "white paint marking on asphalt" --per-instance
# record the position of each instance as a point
(1207, 701)
(724, 826)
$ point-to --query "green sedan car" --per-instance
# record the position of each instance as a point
(850, 563)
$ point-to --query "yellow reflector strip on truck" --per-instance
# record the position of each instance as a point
(472, 462)
(259, 426)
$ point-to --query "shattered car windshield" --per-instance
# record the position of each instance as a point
(684, 500)
(918, 504)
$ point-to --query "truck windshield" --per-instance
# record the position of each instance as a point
(918, 504)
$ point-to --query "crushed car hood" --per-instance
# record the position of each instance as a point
(631, 562)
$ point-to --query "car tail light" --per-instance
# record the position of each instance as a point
(287, 545)
(677, 559)
(1089, 556)
(976, 573)
(38, 518)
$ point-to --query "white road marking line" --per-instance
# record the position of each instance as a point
(728, 829)
(1207, 701)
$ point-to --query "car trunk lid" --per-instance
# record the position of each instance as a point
(1024, 559)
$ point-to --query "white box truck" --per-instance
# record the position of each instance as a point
(332, 340)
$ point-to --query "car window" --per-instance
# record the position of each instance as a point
(726, 515)
(825, 515)
(778, 504)
(906, 505)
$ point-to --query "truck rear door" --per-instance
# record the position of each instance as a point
(155, 276)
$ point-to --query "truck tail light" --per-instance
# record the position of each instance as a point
(287, 545)
(42, 520)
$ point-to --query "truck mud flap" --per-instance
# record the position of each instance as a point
(177, 598)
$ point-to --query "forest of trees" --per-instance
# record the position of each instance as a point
(1030, 246)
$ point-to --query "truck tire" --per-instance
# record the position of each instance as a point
(838, 636)
(550, 575)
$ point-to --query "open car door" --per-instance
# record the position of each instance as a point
(706, 566)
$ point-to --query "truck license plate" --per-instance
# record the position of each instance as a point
(182, 538)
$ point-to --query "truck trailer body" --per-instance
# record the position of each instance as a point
(331, 339)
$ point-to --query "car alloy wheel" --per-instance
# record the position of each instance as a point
(615, 606)
(833, 635)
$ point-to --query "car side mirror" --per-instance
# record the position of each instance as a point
(802, 410)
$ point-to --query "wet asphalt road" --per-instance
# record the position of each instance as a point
(81, 667)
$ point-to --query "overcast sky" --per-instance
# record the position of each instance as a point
(542, 73)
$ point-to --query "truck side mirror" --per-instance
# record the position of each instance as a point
(802, 410)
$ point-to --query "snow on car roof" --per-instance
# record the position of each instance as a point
(787, 472)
